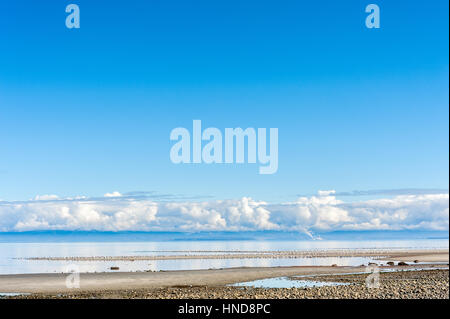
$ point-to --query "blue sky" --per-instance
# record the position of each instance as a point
(89, 111)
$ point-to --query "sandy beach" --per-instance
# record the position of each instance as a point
(407, 282)
(424, 284)
(121, 283)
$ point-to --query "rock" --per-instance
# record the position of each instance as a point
(390, 263)
(416, 261)
(334, 265)
(402, 264)
(114, 268)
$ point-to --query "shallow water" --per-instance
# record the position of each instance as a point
(43, 266)
(284, 282)
(12, 254)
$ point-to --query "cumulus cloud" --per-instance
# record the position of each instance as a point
(323, 212)
(392, 192)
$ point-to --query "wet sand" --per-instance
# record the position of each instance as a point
(423, 258)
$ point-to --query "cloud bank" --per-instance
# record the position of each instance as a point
(323, 212)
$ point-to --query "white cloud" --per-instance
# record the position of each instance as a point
(113, 194)
(46, 197)
(326, 193)
(307, 214)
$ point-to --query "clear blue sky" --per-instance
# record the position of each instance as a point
(89, 111)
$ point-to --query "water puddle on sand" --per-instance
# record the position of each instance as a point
(284, 282)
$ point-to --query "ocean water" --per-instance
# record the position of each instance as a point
(13, 254)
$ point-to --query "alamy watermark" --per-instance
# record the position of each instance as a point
(225, 148)
(73, 19)
(73, 279)
(373, 280)
(373, 19)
